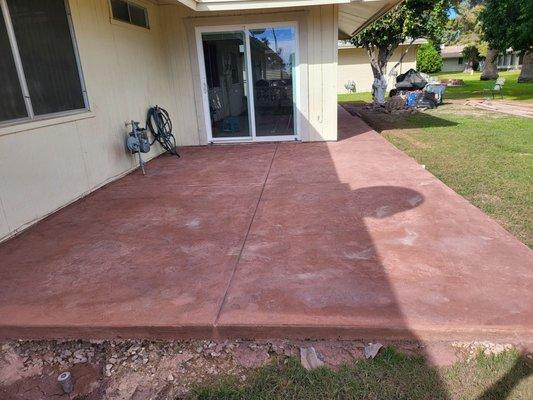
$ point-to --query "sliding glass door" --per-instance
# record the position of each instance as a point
(273, 61)
(249, 82)
(226, 83)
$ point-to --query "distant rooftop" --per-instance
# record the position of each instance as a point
(452, 51)
(346, 44)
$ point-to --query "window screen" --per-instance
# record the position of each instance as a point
(129, 12)
(46, 50)
(11, 99)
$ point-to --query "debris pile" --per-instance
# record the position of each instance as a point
(452, 82)
(413, 91)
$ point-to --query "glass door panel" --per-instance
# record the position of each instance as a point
(272, 53)
(227, 84)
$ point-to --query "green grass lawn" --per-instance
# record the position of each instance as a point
(355, 97)
(390, 375)
(472, 89)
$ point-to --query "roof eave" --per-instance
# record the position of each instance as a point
(377, 16)
(354, 15)
(233, 5)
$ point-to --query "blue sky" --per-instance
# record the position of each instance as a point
(452, 13)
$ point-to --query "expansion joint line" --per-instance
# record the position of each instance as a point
(245, 237)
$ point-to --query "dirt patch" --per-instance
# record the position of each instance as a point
(517, 108)
(397, 120)
(457, 107)
(376, 117)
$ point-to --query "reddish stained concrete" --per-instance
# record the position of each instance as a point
(345, 239)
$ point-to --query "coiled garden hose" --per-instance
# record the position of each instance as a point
(159, 123)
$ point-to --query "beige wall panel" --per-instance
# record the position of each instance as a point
(5, 227)
(329, 36)
(39, 172)
(180, 83)
(322, 73)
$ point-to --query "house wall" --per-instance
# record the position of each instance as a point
(354, 65)
(48, 164)
(452, 65)
(508, 61)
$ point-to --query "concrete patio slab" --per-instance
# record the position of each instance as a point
(346, 239)
(144, 254)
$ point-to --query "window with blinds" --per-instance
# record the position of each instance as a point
(40, 76)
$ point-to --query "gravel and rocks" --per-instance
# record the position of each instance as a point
(125, 368)
(139, 369)
(472, 349)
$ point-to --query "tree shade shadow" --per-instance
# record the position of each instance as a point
(381, 121)
(310, 265)
(504, 386)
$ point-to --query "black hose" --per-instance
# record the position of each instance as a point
(159, 123)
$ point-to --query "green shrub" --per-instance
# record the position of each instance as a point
(428, 59)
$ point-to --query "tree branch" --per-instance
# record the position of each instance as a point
(403, 55)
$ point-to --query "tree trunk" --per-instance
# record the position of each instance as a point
(374, 61)
(490, 70)
(379, 56)
(526, 76)
(469, 66)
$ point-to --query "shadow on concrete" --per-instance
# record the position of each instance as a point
(309, 266)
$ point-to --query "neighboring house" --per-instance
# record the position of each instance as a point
(354, 65)
(511, 60)
(73, 71)
(452, 58)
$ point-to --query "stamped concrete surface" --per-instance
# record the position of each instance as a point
(350, 239)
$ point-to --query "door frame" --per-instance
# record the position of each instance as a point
(251, 108)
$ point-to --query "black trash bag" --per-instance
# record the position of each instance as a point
(427, 100)
(410, 80)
